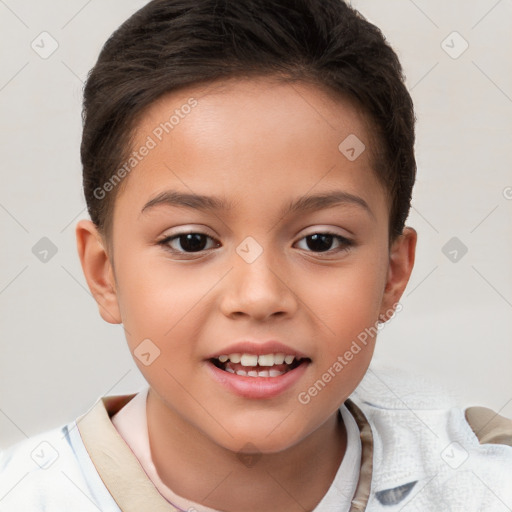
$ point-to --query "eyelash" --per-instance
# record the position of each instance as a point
(345, 242)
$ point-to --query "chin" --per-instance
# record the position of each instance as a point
(259, 441)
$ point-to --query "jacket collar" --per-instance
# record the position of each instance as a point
(127, 481)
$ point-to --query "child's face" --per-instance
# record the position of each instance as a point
(255, 273)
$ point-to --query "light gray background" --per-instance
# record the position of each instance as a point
(57, 354)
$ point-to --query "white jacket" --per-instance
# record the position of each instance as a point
(420, 452)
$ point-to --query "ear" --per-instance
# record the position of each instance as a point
(401, 263)
(98, 270)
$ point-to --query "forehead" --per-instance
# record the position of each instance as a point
(245, 137)
(258, 103)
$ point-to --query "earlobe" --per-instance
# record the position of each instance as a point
(98, 270)
(401, 263)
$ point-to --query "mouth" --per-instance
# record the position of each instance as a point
(271, 365)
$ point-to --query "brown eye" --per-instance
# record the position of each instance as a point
(186, 242)
(322, 242)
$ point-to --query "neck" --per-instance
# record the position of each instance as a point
(198, 469)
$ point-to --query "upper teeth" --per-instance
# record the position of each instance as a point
(254, 360)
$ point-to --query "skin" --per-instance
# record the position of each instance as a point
(259, 144)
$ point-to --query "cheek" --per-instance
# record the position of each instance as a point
(347, 301)
(347, 306)
(155, 301)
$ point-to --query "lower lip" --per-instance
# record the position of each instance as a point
(257, 387)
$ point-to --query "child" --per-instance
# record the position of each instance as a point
(261, 128)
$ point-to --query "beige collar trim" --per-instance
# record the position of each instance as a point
(127, 481)
(363, 488)
(116, 464)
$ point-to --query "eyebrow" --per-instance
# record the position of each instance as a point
(212, 203)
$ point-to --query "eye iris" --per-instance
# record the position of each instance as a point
(320, 242)
(192, 242)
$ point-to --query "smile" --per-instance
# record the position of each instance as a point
(254, 376)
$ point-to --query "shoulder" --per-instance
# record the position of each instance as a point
(50, 471)
(423, 440)
(389, 392)
(28, 470)
(394, 388)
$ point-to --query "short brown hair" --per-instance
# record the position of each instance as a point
(170, 44)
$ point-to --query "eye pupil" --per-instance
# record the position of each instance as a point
(320, 242)
(191, 242)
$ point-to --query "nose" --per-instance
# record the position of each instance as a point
(260, 289)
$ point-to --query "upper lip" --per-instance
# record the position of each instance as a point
(258, 349)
